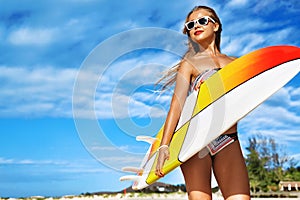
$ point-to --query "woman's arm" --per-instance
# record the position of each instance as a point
(180, 93)
(177, 102)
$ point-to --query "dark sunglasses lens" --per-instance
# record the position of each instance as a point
(190, 25)
(203, 21)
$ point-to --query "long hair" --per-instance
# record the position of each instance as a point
(193, 48)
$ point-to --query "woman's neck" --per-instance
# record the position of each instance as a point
(210, 50)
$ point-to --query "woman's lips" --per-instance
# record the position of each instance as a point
(198, 32)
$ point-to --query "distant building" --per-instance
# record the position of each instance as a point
(289, 185)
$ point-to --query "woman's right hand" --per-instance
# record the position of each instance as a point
(163, 155)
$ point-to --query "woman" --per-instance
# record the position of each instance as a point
(204, 28)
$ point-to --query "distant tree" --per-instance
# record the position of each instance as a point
(181, 187)
(292, 174)
(265, 163)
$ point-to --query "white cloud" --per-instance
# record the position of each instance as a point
(30, 36)
(241, 44)
(272, 117)
(244, 44)
(123, 106)
(286, 97)
(122, 160)
(296, 156)
(47, 91)
(268, 6)
(109, 148)
(276, 118)
(36, 92)
(295, 92)
(237, 3)
(5, 161)
(120, 92)
(57, 166)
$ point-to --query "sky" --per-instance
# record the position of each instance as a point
(77, 82)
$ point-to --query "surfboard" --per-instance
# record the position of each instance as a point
(222, 100)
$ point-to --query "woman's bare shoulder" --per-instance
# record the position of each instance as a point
(185, 66)
(228, 59)
(232, 57)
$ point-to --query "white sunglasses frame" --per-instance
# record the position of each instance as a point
(197, 21)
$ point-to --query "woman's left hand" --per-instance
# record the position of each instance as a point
(163, 155)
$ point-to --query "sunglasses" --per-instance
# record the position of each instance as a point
(203, 21)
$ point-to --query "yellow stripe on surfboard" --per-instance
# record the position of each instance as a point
(175, 147)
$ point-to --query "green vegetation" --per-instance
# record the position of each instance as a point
(268, 164)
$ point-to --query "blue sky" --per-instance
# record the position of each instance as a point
(77, 85)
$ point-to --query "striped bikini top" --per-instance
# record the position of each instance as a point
(202, 77)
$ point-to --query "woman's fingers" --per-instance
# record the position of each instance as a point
(162, 157)
(197, 86)
(159, 166)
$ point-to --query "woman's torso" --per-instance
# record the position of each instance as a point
(209, 64)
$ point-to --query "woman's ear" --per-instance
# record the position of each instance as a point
(216, 27)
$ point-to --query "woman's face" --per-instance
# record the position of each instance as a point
(202, 33)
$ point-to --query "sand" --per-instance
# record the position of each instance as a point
(137, 196)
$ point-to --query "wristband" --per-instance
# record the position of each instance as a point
(162, 146)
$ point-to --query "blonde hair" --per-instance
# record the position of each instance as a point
(169, 76)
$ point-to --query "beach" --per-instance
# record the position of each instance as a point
(135, 196)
